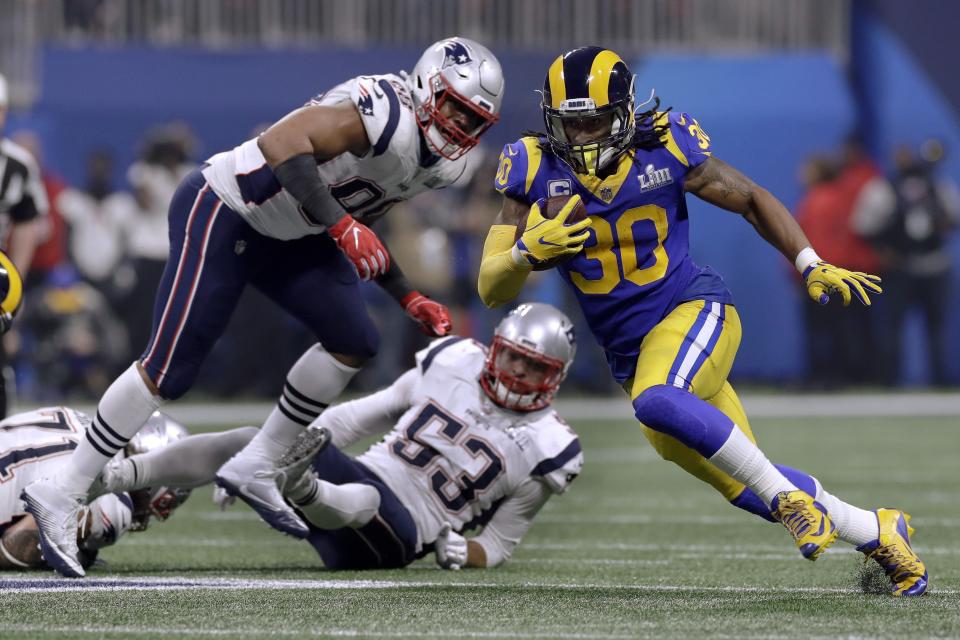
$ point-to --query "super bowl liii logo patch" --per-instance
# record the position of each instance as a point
(653, 178)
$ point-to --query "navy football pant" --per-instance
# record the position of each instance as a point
(388, 541)
(214, 253)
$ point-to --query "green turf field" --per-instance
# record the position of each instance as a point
(636, 549)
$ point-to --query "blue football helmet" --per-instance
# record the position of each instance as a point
(589, 88)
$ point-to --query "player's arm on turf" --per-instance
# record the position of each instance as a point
(502, 270)
(371, 415)
(508, 526)
(720, 184)
(20, 545)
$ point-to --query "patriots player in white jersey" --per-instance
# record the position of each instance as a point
(471, 440)
(33, 444)
(287, 212)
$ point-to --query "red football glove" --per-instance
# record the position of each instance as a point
(361, 246)
(433, 317)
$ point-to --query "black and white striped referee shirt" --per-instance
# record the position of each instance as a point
(22, 195)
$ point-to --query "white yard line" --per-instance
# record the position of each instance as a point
(265, 632)
(133, 583)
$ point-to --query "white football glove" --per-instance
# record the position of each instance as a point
(451, 548)
(223, 499)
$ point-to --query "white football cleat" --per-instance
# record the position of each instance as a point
(256, 480)
(298, 458)
(56, 515)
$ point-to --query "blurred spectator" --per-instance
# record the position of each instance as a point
(99, 220)
(840, 343)
(165, 161)
(909, 222)
(70, 342)
(23, 208)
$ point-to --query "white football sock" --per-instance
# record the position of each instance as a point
(187, 463)
(122, 411)
(334, 506)
(314, 382)
(854, 525)
(745, 462)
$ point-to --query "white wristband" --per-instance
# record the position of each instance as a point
(518, 258)
(806, 258)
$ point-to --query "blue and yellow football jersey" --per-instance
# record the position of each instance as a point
(636, 266)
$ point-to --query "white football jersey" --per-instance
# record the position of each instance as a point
(32, 446)
(454, 456)
(365, 187)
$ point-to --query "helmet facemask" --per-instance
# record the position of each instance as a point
(153, 502)
(592, 157)
(159, 431)
(442, 133)
(519, 378)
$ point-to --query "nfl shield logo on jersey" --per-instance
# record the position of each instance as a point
(455, 53)
(606, 194)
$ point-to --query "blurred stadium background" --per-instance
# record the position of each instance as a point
(118, 96)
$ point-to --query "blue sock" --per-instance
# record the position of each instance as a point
(749, 501)
(682, 415)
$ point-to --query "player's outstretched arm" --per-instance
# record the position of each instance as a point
(375, 414)
(718, 183)
(432, 316)
(502, 275)
(20, 545)
(508, 525)
(293, 146)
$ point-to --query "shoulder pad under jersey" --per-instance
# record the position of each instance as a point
(686, 139)
(519, 164)
(386, 109)
(560, 455)
(452, 352)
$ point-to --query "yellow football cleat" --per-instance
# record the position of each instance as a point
(806, 520)
(892, 551)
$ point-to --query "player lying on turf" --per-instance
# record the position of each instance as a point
(471, 440)
(668, 326)
(34, 444)
(287, 212)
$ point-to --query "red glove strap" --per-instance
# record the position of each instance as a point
(410, 297)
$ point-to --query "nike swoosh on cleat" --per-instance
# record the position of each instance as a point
(820, 532)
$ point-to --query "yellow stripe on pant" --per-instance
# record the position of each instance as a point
(693, 348)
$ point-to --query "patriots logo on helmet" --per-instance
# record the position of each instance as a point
(365, 102)
(455, 53)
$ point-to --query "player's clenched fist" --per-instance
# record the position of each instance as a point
(433, 317)
(824, 279)
(546, 239)
(361, 246)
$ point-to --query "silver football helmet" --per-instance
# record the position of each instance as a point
(529, 357)
(159, 502)
(466, 74)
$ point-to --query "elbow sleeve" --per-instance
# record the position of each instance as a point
(501, 278)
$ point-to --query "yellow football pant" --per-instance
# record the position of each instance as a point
(694, 348)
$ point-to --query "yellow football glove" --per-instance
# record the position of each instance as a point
(824, 279)
(547, 239)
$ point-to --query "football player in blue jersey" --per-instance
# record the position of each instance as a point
(668, 326)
